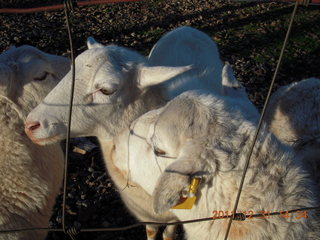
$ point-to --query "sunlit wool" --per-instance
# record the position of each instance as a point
(30, 175)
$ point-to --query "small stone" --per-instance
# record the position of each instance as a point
(83, 196)
(106, 224)
(85, 204)
(70, 195)
(95, 174)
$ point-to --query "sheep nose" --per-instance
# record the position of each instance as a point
(31, 126)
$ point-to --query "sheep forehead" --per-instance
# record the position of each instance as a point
(92, 58)
(177, 117)
(111, 55)
(99, 62)
(178, 113)
(17, 59)
(142, 125)
(301, 87)
(23, 54)
(301, 98)
(171, 124)
(105, 75)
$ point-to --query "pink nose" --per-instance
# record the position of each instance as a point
(31, 126)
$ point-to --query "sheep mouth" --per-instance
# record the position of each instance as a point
(46, 141)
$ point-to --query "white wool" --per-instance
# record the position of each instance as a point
(115, 85)
(293, 116)
(204, 137)
(30, 175)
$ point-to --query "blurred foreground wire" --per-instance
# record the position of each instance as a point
(61, 6)
(236, 217)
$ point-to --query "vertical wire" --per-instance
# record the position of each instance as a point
(261, 117)
(128, 159)
(66, 11)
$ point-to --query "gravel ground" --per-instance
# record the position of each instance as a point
(249, 36)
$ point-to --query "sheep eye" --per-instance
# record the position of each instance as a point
(107, 92)
(159, 152)
(43, 77)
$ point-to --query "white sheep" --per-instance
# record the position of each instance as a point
(205, 136)
(30, 175)
(118, 85)
(116, 158)
(113, 87)
(293, 115)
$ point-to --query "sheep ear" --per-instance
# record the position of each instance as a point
(169, 187)
(150, 76)
(228, 78)
(92, 43)
(177, 177)
(231, 86)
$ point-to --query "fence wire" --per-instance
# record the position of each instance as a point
(68, 7)
(62, 6)
(236, 217)
(97, 2)
(261, 117)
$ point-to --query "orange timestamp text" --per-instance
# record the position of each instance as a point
(261, 214)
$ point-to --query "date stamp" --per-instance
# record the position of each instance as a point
(261, 214)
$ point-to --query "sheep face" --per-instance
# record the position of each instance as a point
(166, 138)
(155, 144)
(109, 80)
(147, 159)
(28, 74)
(170, 144)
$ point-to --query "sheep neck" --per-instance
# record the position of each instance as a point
(274, 182)
(125, 115)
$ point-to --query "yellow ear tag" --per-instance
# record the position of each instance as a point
(188, 201)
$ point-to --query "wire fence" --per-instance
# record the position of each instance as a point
(98, 2)
(68, 4)
(68, 7)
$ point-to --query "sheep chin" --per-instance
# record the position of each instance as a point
(48, 140)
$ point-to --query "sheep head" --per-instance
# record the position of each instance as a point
(293, 112)
(293, 116)
(194, 135)
(27, 75)
(154, 142)
(109, 82)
